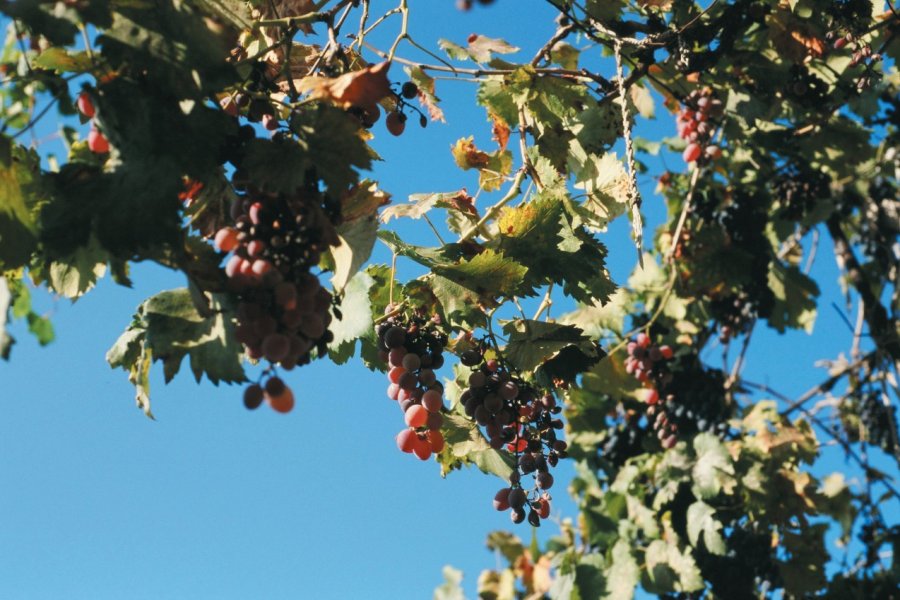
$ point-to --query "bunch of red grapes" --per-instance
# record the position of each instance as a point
(647, 362)
(413, 350)
(516, 415)
(696, 122)
(283, 311)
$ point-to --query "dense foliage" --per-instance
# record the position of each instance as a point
(227, 140)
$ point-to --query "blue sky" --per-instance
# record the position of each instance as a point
(212, 501)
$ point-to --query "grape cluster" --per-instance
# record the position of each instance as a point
(696, 123)
(518, 416)
(624, 440)
(744, 220)
(283, 311)
(647, 363)
(413, 350)
(879, 421)
(799, 188)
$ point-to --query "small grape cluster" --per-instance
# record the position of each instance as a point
(879, 421)
(688, 415)
(696, 123)
(521, 418)
(97, 142)
(396, 119)
(806, 87)
(413, 349)
(646, 361)
(273, 391)
(863, 55)
(283, 311)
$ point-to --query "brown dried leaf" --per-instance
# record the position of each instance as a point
(500, 131)
(358, 88)
(428, 102)
(792, 38)
(363, 200)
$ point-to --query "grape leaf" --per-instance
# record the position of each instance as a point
(166, 328)
(17, 228)
(623, 573)
(451, 589)
(561, 350)
(464, 445)
(701, 520)
(355, 320)
(489, 273)
(76, 274)
(62, 61)
(713, 472)
(357, 240)
(795, 294)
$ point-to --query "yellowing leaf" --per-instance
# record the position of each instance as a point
(467, 156)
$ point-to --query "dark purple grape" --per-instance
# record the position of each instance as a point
(253, 396)
(395, 337)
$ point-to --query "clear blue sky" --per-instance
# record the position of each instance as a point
(212, 501)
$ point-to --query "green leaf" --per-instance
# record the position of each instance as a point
(510, 546)
(166, 328)
(540, 235)
(623, 574)
(62, 61)
(454, 51)
(701, 520)
(565, 55)
(357, 240)
(488, 274)
(41, 328)
(75, 275)
(713, 472)
(464, 445)
(606, 184)
(356, 318)
(451, 589)
(17, 228)
(561, 350)
(331, 143)
(660, 575)
(597, 320)
(795, 294)
(589, 579)
(641, 100)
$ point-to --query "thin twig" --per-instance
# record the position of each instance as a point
(514, 190)
(695, 176)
